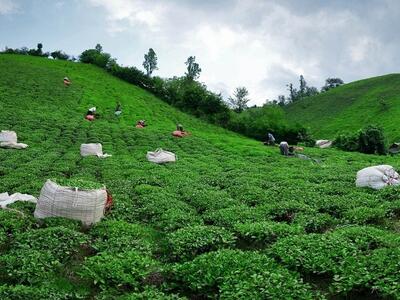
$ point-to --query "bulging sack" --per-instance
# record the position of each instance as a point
(161, 156)
(377, 177)
(91, 149)
(59, 201)
(323, 144)
(8, 136)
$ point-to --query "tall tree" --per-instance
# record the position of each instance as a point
(302, 86)
(293, 93)
(39, 48)
(98, 48)
(331, 83)
(193, 68)
(239, 100)
(150, 62)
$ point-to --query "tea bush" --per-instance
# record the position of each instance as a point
(233, 274)
(188, 242)
(127, 270)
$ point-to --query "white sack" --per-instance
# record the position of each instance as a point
(13, 145)
(161, 156)
(59, 201)
(377, 177)
(8, 136)
(93, 149)
(6, 199)
(323, 144)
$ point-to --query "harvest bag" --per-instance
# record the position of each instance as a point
(377, 177)
(93, 149)
(323, 144)
(161, 156)
(8, 136)
(8, 139)
(60, 201)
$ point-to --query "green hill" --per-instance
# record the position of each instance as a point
(351, 107)
(231, 219)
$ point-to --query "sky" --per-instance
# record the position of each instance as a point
(261, 45)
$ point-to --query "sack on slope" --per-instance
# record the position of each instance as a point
(8, 136)
(323, 144)
(377, 177)
(93, 149)
(161, 156)
(86, 206)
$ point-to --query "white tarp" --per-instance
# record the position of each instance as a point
(9, 140)
(6, 199)
(377, 177)
(68, 202)
(323, 143)
(93, 149)
(161, 156)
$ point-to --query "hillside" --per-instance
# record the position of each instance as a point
(231, 219)
(351, 107)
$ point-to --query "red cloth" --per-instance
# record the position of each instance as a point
(89, 117)
(178, 133)
(109, 202)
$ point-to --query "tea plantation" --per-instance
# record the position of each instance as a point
(231, 219)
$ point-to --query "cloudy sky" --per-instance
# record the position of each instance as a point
(259, 44)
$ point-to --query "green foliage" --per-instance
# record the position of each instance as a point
(60, 222)
(327, 255)
(235, 274)
(365, 215)
(264, 233)
(315, 222)
(13, 222)
(78, 183)
(151, 293)
(188, 242)
(126, 270)
(119, 236)
(369, 140)
(24, 292)
(61, 242)
(95, 57)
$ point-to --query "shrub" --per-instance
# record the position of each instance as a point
(150, 293)
(314, 223)
(28, 266)
(264, 233)
(228, 217)
(365, 215)
(188, 242)
(369, 140)
(60, 222)
(378, 272)
(235, 274)
(95, 57)
(13, 222)
(126, 270)
(61, 242)
(58, 54)
(23, 292)
(120, 236)
(313, 253)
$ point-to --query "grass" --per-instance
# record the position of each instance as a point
(230, 219)
(351, 107)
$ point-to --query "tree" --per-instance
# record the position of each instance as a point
(150, 62)
(98, 48)
(293, 93)
(303, 87)
(193, 68)
(239, 100)
(331, 83)
(39, 48)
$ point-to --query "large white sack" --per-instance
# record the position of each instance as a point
(323, 143)
(8, 136)
(93, 149)
(161, 156)
(13, 145)
(60, 201)
(377, 177)
(6, 199)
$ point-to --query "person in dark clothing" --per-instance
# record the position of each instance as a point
(284, 148)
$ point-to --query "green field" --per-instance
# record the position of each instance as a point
(231, 219)
(351, 107)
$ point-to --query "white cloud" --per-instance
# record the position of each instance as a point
(262, 45)
(8, 7)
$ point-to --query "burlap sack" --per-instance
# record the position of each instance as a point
(377, 177)
(161, 156)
